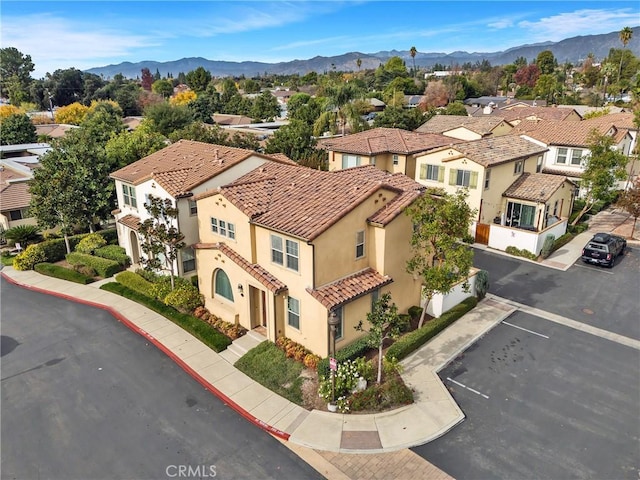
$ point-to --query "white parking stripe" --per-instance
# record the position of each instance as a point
(468, 388)
(457, 383)
(525, 329)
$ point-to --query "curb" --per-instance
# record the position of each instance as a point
(133, 327)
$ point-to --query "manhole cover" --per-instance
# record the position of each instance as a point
(587, 311)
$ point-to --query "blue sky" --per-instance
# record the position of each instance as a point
(85, 34)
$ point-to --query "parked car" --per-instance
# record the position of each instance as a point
(603, 249)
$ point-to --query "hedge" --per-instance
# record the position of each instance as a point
(51, 270)
(135, 282)
(350, 352)
(196, 327)
(413, 340)
(562, 240)
(115, 253)
(55, 249)
(103, 267)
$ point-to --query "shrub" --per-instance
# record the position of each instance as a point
(482, 284)
(194, 280)
(577, 229)
(135, 282)
(414, 340)
(184, 298)
(511, 250)
(23, 234)
(379, 397)
(115, 253)
(103, 267)
(311, 360)
(404, 322)
(29, 257)
(562, 241)
(90, 243)
(350, 352)
(57, 271)
(203, 332)
(547, 246)
(415, 312)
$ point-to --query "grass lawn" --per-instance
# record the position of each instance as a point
(269, 366)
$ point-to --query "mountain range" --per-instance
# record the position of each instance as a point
(573, 50)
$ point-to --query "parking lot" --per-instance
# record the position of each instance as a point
(542, 400)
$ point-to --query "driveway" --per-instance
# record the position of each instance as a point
(85, 398)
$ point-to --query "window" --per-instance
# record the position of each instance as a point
(193, 208)
(223, 285)
(431, 172)
(18, 214)
(292, 255)
(555, 209)
(539, 164)
(129, 196)
(576, 157)
(188, 260)
(374, 297)
(487, 179)
(373, 161)
(293, 312)
(360, 244)
(277, 254)
(520, 215)
(561, 157)
(223, 228)
(518, 167)
(463, 178)
(349, 161)
(395, 160)
(340, 325)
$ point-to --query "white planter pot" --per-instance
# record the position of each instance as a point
(332, 407)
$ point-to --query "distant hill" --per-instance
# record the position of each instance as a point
(572, 50)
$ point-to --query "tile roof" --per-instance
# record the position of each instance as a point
(444, 123)
(559, 171)
(304, 202)
(620, 120)
(184, 165)
(256, 271)
(542, 113)
(386, 140)
(535, 187)
(14, 187)
(571, 134)
(131, 221)
(492, 151)
(344, 290)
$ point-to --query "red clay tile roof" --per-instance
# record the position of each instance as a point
(622, 120)
(130, 221)
(304, 202)
(571, 134)
(14, 188)
(386, 140)
(256, 271)
(444, 123)
(496, 150)
(184, 165)
(543, 113)
(347, 289)
(559, 171)
(535, 187)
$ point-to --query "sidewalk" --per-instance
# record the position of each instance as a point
(434, 412)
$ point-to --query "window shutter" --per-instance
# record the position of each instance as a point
(473, 180)
(423, 171)
(453, 173)
(441, 174)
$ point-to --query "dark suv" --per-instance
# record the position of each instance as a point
(603, 249)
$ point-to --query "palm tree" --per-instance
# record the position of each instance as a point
(359, 63)
(625, 36)
(413, 52)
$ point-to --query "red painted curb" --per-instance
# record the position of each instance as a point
(196, 376)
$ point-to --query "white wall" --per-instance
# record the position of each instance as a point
(441, 303)
(501, 237)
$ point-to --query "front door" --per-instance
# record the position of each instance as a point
(482, 233)
(257, 306)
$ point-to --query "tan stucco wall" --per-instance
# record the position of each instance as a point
(384, 161)
(462, 133)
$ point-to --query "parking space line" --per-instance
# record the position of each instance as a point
(594, 268)
(525, 329)
(468, 388)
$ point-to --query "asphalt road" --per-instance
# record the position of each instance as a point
(83, 397)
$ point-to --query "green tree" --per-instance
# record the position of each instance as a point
(413, 53)
(546, 87)
(17, 129)
(102, 121)
(265, 107)
(302, 106)
(604, 166)
(295, 140)
(398, 117)
(455, 108)
(146, 79)
(161, 239)
(198, 79)
(65, 86)
(204, 106)
(168, 118)
(127, 147)
(440, 259)
(162, 87)
(625, 37)
(201, 132)
(15, 75)
(546, 62)
(384, 323)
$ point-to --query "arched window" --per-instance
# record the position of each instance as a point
(223, 285)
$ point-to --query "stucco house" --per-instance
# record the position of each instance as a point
(178, 172)
(517, 205)
(390, 149)
(464, 127)
(283, 246)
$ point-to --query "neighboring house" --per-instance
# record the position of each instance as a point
(389, 149)
(284, 246)
(414, 101)
(177, 172)
(567, 142)
(514, 115)
(54, 130)
(17, 163)
(515, 203)
(465, 127)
